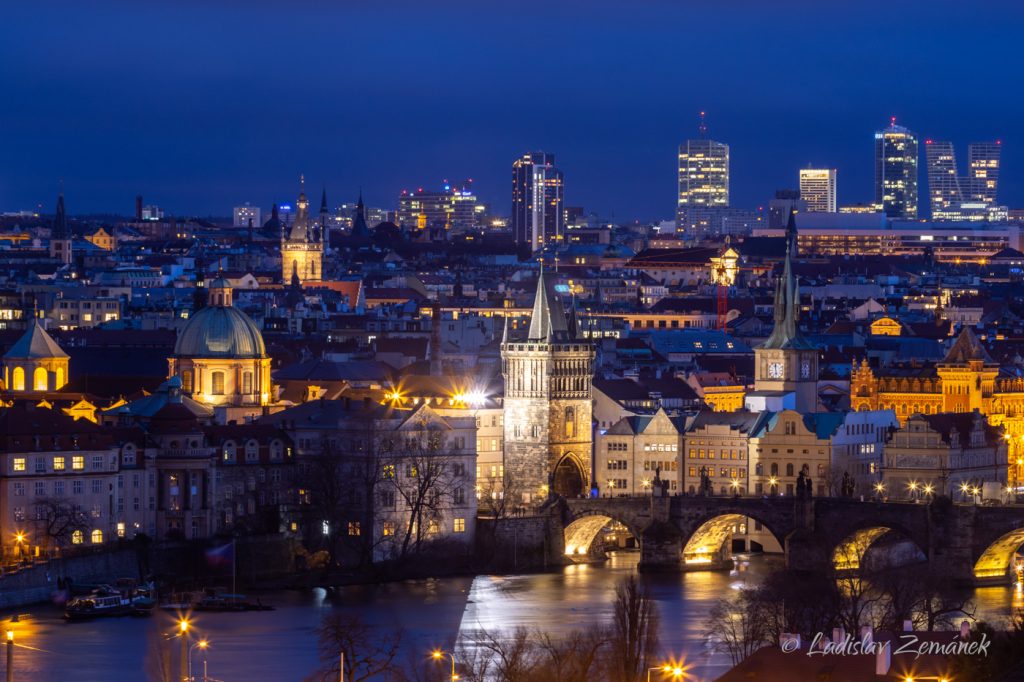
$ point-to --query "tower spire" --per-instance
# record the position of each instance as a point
(786, 333)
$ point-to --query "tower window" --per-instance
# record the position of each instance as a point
(570, 422)
(217, 379)
(186, 381)
(247, 382)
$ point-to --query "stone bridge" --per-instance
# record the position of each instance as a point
(975, 543)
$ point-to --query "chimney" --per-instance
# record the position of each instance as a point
(883, 660)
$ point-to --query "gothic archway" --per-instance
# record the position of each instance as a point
(569, 480)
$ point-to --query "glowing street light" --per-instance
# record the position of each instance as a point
(183, 627)
(439, 655)
(677, 672)
(201, 644)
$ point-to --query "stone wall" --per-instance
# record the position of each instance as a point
(527, 543)
(39, 583)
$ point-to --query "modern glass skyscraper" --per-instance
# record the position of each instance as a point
(943, 183)
(983, 171)
(896, 171)
(818, 189)
(970, 197)
(538, 194)
(703, 175)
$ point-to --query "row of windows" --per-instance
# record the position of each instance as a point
(664, 465)
(59, 463)
(617, 464)
(710, 454)
(724, 472)
(389, 527)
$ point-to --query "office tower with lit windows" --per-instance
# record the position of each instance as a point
(243, 215)
(896, 171)
(538, 195)
(818, 189)
(450, 208)
(983, 171)
(970, 197)
(703, 177)
(943, 184)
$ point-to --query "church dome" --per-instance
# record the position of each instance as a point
(220, 332)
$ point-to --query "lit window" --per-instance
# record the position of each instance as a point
(19, 463)
(432, 527)
(389, 528)
(459, 526)
(120, 529)
(97, 537)
(76, 537)
(353, 528)
(78, 462)
(389, 471)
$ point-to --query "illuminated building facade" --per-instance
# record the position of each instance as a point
(302, 248)
(703, 177)
(220, 357)
(548, 405)
(538, 196)
(243, 215)
(636, 449)
(818, 189)
(873, 234)
(35, 363)
(452, 208)
(970, 198)
(896, 171)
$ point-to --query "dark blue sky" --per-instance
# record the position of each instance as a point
(201, 105)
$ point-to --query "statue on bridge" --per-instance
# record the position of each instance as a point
(846, 487)
(804, 487)
(705, 483)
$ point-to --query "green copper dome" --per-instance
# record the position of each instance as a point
(220, 332)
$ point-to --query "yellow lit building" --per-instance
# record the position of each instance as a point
(886, 326)
(35, 363)
(302, 249)
(220, 357)
(102, 239)
(967, 379)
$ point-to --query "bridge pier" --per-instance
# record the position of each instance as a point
(661, 548)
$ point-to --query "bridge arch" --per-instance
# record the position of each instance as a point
(850, 552)
(705, 542)
(579, 534)
(997, 556)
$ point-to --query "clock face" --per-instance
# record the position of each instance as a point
(805, 369)
(775, 370)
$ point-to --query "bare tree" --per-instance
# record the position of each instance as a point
(738, 626)
(57, 519)
(420, 480)
(634, 638)
(574, 658)
(368, 651)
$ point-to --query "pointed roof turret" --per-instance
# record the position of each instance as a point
(35, 344)
(965, 349)
(300, 226)
(547, 322)
(359, 227)
(60, 221)
(786, 333)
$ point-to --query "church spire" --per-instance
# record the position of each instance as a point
(547, 322)
(786, 333)
(60, 220)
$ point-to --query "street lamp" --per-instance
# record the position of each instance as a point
(183, 626)
(201, 644)
(10, 652)
(912, 487)
(772, 483)
(928, 489)
(676, 671)
(879, 490)
(735, 485)
(439, 655)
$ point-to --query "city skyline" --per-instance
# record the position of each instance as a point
(158, 124)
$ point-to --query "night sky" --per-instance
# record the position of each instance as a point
(200, 106)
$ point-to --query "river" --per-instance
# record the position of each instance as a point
(281, 644)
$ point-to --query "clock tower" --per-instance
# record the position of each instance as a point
(786, 365)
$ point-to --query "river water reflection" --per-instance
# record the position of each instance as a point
(281, 644)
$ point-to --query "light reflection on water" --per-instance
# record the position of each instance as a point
(281, 644)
